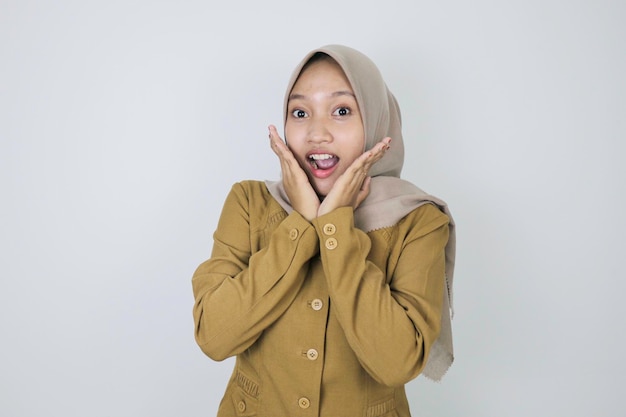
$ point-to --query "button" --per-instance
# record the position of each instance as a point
(293, 234)
(331, 243)
(312, 354)
(329, 229)
(304, 402)
(241, 405)
(317, 304)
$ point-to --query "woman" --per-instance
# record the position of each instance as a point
(331, 286)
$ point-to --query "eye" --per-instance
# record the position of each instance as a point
(342, 111)
(298, 114)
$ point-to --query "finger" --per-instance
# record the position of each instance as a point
(285, 157)
(279, 147)
(364, 162)
(275, 140)
(376, 153)
(379, 150)
(291, 169)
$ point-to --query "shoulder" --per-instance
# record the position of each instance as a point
(250, 185)
(253, 192)
(254, 198)
(423, 220)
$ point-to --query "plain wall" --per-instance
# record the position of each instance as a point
(123, 124)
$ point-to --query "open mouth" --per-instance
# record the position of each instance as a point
(323, 161)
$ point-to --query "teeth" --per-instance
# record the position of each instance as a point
(320, 156)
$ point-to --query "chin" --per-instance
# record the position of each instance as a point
(322, 190)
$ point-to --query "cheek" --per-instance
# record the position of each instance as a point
(292, 133)
(294, 143)
(358, 141)
(357, 133)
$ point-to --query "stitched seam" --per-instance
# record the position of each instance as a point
(247, 385)
(276, 217)
(381, 408)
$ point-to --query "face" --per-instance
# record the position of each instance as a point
(324, 129)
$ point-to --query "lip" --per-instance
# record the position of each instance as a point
(320, 173)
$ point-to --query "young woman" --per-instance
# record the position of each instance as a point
(331, 286)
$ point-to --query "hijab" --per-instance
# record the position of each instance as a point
(390, 198)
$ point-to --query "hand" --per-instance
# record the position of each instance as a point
(301, 194)
(353, 186)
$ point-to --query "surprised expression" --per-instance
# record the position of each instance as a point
(323, 128)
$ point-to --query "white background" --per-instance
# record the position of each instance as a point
(123, 125)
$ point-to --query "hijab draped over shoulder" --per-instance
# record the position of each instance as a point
(390, 198)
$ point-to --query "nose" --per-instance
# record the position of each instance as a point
(319, 132)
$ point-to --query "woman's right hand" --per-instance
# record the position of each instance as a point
(301, 194)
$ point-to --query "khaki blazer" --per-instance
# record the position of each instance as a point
(324, 319)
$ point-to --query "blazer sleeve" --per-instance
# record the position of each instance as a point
(239, 293)
(390, 322)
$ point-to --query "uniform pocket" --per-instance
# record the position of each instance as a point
(245, 405)
(245, 395)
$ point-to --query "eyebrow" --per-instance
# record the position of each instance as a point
(335, 94)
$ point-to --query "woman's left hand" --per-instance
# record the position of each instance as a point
(353, 186)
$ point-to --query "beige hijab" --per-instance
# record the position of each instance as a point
(390, 198)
